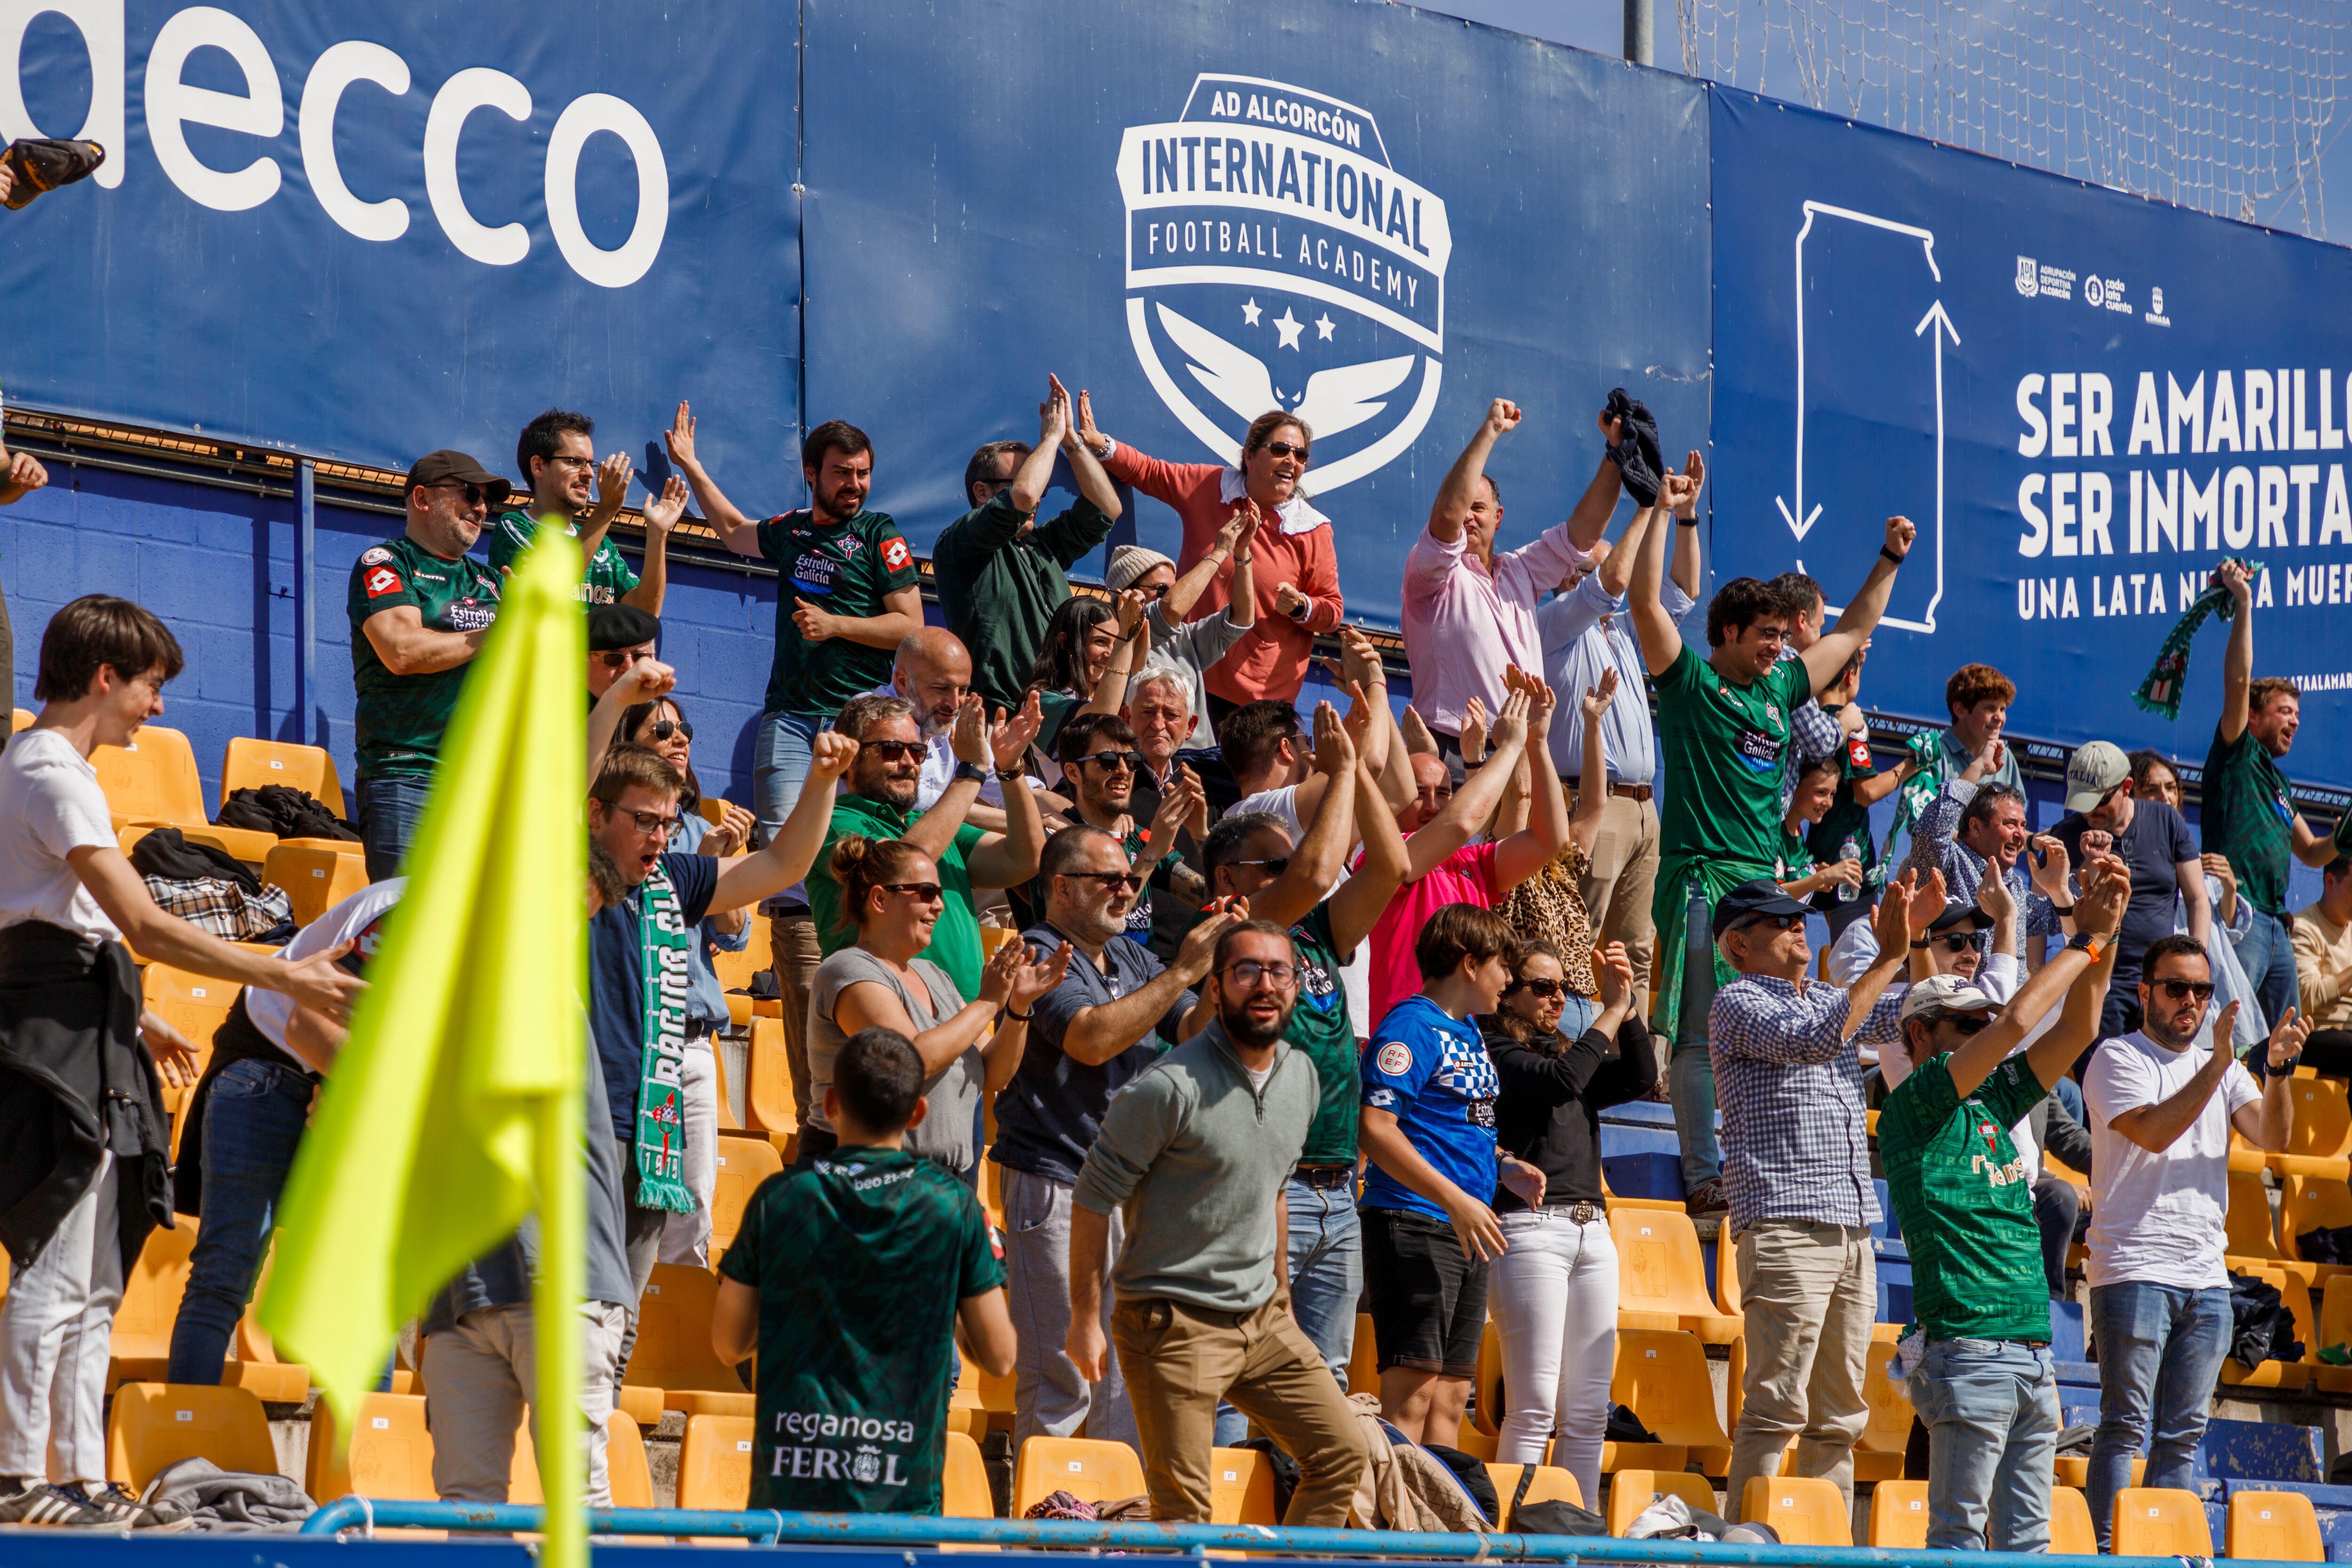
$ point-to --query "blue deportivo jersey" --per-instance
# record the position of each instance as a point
(1432, 1070)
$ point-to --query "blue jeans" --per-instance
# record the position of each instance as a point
(388, 812)
(254, 1116)
(2160, 1349)
(2266, 953)
(1991, 1411)
(1691, 1073)
(780, 765)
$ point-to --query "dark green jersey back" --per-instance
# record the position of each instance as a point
(1320, 1026)
(861, 1259)
(400, 718)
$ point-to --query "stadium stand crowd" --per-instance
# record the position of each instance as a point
(1367, 1117)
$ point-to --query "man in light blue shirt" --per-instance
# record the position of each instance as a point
(1586, 631)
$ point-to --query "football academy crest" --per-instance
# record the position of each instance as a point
(1275, 259)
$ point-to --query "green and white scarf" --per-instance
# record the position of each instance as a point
(2161, 692)
(664, 944)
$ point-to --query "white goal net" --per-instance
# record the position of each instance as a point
(2222, 105)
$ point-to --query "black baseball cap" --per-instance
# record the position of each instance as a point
(445, 466)
(1955, 916)
(611, 626)
(1748, 900)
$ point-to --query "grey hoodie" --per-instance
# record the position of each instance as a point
(1198, 1159)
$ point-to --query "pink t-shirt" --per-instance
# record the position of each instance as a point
(1466, 876)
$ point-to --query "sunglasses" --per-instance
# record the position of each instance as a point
(1112, 881)
(618, 658)
(1962, 1023)
(2186, 989)
(1287, 449)
(1778, 923)
(1958, 943)
(925, 892)
(1545, 989)
(894, 751)
(1249, 972)
(1158, 591)
(1273, 867)
(1130, 760)
(664, 728)
(476, 495)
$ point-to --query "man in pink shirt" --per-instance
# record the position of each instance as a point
(1470, 613)
(1298, 572)
(1445, 867)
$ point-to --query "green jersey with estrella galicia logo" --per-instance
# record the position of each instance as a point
(2248, 817)
(860, 1259)
(1965, 1197)
(1320, 1026)
(604, 580)
(400, 718)
(845, 569)
(1722, 744)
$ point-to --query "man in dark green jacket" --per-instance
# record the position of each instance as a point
(1001, 574)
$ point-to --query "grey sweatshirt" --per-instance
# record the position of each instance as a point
(1198, 1159)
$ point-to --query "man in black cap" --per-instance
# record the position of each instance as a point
(419, 606)
(1796, 1169)
(618, 636)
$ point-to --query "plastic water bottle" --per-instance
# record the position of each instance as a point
(1849, 850)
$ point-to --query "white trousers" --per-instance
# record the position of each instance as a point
(55, 1332)
(481, 1378)
(685, 1237)
(1554, 1298)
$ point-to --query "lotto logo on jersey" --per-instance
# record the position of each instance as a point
(1395, 1058)
(895, 556)
(383, 580)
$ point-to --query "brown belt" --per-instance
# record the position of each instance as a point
(1622, 791)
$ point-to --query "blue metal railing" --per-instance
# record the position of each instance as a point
(352, 1513)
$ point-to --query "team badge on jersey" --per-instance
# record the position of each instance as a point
(1395, 1058)
(376, 556)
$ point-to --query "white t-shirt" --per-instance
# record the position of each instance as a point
(2159, 1219)
(50, 805)
(358, 919)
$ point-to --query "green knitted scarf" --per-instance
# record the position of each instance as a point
(2161, 692)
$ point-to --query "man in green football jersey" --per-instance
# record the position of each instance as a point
(419, 607)
(855, 1278)
(558, 460)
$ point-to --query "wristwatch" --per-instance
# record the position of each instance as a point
(972, 771)
(2083, 942)
(1298, 611)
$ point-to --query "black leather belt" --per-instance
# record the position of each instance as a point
(1326, 1175)
(1622, 791)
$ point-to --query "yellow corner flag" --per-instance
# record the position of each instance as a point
(457, 1109)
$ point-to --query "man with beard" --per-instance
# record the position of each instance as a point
(2160, 1204)
(563, 479)
(1976, 826)
(1196, 1153)
(1101, 770)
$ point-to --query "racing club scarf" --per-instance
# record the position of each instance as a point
(663, 939)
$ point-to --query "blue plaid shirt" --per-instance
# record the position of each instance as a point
(1936, 847)
(1795, 1142)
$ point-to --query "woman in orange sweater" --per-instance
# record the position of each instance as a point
(1296, 570)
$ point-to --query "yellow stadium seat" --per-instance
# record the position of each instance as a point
(2074, 1470)
(1241, 1487)
(1805, 1510)
(2271, 1374)
(1898, 1515)
(768, 1092)
(1548, 1484)
(255, 764)
(2160, 1522)
(727, 1122)
(1094, 1469)
(1364, 1358)
(2244, 1158)
(1662, 1377)
(2275, 1527)
(2250, 1234)
(22, 720)
(158, 1424)
(1878, 1452)
(735, 969)
(981, 1399)
(2308, 1202)
(1630, 1492)
(154, 781)
(2321, 1135)
(1487, 1394)
(2071, 1531)
(2335, 1329)
(1727, 1278)
(257, 1365)
(674, 1352)
(141, 1346)
(638, 1403)
(627, 1469)
(197, 1005)
(963, 1484)
(391, 1453)
(743, 1164)
(315, 880)
(1661, 1277)
(1476, 1444)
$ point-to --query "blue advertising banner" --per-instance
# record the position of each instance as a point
(366, 231)
(1377, 217)
(2084, 399)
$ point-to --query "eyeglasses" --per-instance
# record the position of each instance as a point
(1287, 449)
(1249, 972)
(476, 495)
(1545, 989)
(1273, 867)
(664, 728)
(621, 658)
(653, 825)
(1158, 591)
(1112, 881)
(571, 462)
(2186, 989)
(1131, 762)
(894, 751)
(925, 892)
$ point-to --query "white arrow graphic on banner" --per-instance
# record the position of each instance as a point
(1936, 318)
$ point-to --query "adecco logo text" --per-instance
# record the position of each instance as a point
(260, 111)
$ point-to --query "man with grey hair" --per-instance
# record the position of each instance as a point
(932, 671)
(1191, 647)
